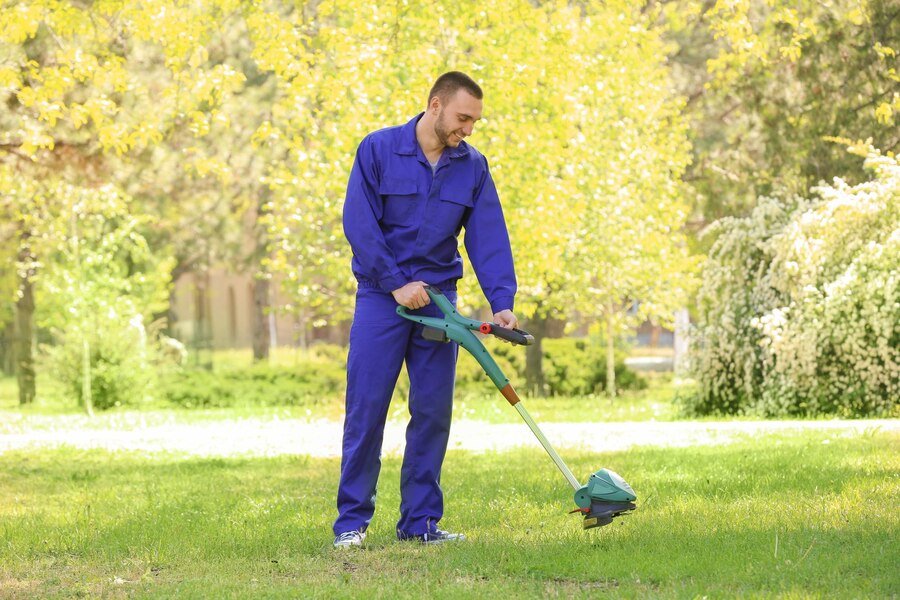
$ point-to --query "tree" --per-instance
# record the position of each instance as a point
(100, 280)
(572, 91)
(71, 80)
(766, 83)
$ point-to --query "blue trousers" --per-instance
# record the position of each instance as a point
(380, 340)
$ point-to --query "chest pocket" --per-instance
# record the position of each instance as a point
(456, 200)
(399, 197)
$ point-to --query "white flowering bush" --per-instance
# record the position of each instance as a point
(799, 306)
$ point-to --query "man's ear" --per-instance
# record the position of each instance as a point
(435, 105)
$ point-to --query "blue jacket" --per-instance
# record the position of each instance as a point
(402, 221)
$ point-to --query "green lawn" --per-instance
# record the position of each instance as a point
(789, 516)
(657, 402)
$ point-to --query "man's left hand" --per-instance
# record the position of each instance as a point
(506, 318)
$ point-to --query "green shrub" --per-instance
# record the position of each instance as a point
(572, 367)
(577, 367)
(99, 278)
(122, 364)
(310, 381)
(332, 353)
(471, 378)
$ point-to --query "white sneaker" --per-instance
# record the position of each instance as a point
(350, 538)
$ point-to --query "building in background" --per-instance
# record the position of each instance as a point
(214, 310)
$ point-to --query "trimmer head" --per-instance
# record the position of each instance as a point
(602, 513)
(605, 496)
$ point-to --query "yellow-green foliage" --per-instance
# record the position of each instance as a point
(768, 79)
(581, 127)
(79, 72)
(581, 130)
(98, 285)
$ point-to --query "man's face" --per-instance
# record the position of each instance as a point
(457, 118)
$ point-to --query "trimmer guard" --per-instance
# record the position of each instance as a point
(604, 486)
(605, 496)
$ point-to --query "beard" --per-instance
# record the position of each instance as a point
(443, 132)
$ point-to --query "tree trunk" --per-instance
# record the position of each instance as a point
(682, 341)
(167, 315)
(86, 392)
(261, 339)
(302, 330)
(7, 351)
(610, 351)
(24, 339)
(534, 358)
(261, 284)
(185, 265)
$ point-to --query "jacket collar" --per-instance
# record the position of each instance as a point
(408, 144)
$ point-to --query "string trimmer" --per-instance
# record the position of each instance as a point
(606, 495)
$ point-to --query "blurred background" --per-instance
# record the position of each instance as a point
(702, 198)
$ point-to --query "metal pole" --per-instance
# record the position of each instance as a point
(546, 444)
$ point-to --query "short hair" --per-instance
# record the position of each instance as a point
(448, 83)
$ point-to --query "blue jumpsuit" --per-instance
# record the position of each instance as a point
(402, 221)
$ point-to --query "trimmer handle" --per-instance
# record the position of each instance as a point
(516, 336)
(433, 292)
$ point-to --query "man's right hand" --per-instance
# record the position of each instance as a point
(412, 295)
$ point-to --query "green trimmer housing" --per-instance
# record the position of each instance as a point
(606, 495)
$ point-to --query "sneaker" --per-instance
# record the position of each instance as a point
(439, 537)
(436, 537)
(350, 538)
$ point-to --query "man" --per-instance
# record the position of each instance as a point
(411, 190)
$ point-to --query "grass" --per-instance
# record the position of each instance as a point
(787, 515)
(657, 402)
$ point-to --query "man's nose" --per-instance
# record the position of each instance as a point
(467, 129)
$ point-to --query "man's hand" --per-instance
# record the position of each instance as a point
(412, 295)
(506, 318)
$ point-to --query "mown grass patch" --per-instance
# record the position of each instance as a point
(783, 515)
